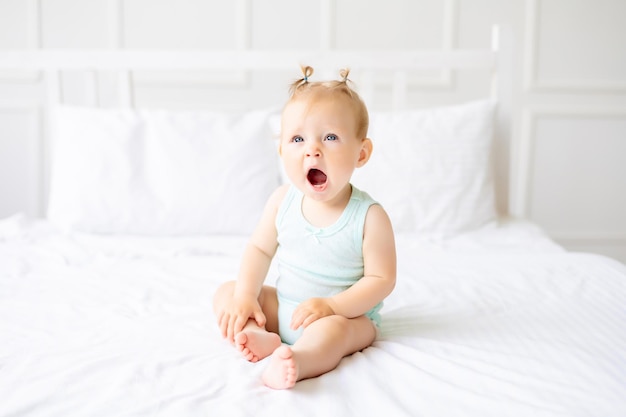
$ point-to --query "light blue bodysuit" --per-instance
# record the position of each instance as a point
(317, 262)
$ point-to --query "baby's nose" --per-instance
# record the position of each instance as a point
(313, 150)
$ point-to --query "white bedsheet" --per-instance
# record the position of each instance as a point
(498, 322)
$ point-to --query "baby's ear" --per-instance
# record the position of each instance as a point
(366, 152)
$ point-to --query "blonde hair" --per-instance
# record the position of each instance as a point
(303, 87)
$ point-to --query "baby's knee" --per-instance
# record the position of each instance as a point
(224, 291)
(337, 324)
(350, 328)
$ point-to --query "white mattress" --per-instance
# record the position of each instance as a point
(498, 322)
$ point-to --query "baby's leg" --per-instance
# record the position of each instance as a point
(320, 349)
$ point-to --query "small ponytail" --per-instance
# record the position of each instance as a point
(307, 71)
(344, 75)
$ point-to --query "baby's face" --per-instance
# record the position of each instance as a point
(319, 146)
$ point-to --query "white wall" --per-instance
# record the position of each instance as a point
(569, 83)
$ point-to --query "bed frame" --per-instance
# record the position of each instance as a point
(497, 61)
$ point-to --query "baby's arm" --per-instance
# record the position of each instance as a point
(379, 257)
(255, 263)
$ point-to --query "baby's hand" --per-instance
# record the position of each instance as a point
(233, 318)
(309, 311)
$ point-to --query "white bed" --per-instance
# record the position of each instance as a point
(105, 304)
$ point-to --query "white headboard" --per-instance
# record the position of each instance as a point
(366, 65)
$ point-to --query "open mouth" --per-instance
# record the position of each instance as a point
(316, 177)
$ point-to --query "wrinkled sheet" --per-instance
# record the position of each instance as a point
(496, 322)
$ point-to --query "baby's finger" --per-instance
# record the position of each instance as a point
(231, 326)
(260, 319)
(297, 319)
(223, 324)
(310, 319)
(239, 325)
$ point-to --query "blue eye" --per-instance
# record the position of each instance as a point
(331, 137)
(297, 139)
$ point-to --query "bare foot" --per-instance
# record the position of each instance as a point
(282, 371)
(256, 344)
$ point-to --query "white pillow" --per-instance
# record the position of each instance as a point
(160, 172)
(431, 169)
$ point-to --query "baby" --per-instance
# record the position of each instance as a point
(333, 244)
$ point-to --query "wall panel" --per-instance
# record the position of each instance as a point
(74, 24)
(19, 28)
(186, 24)
(400, 23)
(296, 26)
(573, 139)
(180, 24)
(574, 45)
(577, 184)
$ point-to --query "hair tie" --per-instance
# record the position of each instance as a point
(306, 73)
